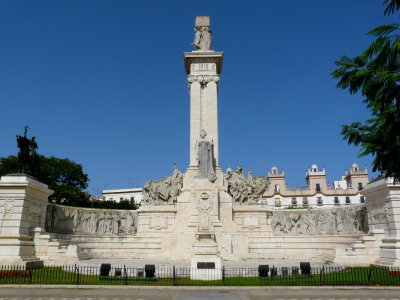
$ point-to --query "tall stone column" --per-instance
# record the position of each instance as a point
(195, 115)
(203, 69)
(212, 113)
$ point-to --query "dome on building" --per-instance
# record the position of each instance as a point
(314, 166)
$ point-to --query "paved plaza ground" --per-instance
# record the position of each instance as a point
(193, 293)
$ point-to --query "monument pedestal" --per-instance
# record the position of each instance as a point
(383, 206)
(390, 252)
(23, 206)
(205, 264)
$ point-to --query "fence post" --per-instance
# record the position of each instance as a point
(126, 276)
(77, 272)
(30, 275)
(370, 275)
(223, 275)
(173, 276)
(320, 274)
(272, 273)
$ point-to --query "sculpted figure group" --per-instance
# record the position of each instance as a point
(245, 190)
(64, 219)
(341, 220)
(164, 191)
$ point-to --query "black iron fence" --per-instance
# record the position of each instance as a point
(263, 275)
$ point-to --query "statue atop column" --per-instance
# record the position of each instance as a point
(27, 155)
(205, 157)
(202, 36)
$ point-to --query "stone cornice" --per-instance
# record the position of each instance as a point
(203, 57)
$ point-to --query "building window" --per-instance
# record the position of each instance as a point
(121, 198)
(362, 199)
(360, 186)
(318, 187)
(294, 201)
(336, 199)
(305, 202)
(348, 200)
(277, 202)
(319, 201)
(276, 188)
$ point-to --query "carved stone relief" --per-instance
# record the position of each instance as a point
(66, 219)
(341, 220)
(158, 222)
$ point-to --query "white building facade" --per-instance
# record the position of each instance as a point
(118, 195)
(317, 193)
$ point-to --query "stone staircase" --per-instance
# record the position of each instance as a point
(89, 246)
(52, 249)
(299, 247)
(365, 251)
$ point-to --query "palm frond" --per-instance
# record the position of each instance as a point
(376, 46)
(383, 29)
(393, 6)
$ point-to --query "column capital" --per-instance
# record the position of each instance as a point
(203, 78)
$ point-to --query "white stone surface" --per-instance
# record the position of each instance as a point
(382, 246)
(205, 274)
(383, 203)
(23, 204)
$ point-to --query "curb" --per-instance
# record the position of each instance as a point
(146, 287)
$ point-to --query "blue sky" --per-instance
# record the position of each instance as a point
(103, 83)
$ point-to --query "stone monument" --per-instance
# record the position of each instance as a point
(202, 215)
(206, 216)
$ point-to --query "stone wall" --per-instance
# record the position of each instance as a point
(67, 220)
(340, 220)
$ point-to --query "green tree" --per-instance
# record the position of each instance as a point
(64, 176)
(375, 74)
(123, 204)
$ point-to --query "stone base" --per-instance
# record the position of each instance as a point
(206, 267)
(390, 252)
(205, 244)
(17, 250)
